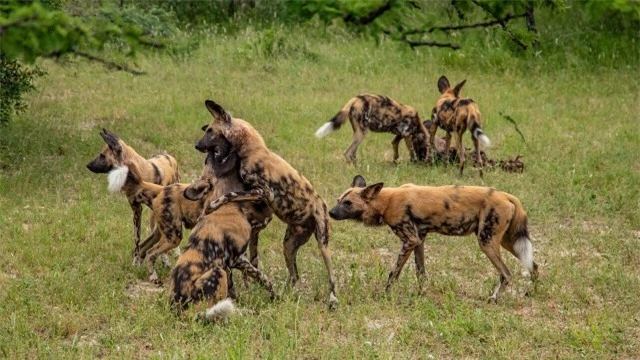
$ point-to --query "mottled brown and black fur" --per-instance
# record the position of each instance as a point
(216, 245)
(379, 113)
(271, 179)
(412, 211)
(455, 115)
(161, 169)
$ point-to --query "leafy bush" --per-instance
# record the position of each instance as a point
(15, 80)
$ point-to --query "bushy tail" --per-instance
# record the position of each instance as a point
(519, 236)
(478, 134)
(336, 122)
(222, 310)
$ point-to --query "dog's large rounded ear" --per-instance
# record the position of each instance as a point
(371, 191)
(456, 90)
(218, 112)
(112, 141)
(443, 84)
(197, 190)
(358, 181)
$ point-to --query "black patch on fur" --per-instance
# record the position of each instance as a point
(464, 102)
(488, 227)
(446, 205)
(522, 231)
(157, 178)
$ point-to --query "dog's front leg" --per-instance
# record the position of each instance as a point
(410, 240)
(243, 264)
(137, 222)
(253, 195)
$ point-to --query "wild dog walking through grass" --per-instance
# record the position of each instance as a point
(271, 179)
(161, 169)
(412, 211)
(455, 114)
(379, 113)
(216, 245)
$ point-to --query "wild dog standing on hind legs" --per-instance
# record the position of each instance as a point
(216, 245)
(379, 113)
(273, 180)
(160, 169)
(455, 115)
(412, 211)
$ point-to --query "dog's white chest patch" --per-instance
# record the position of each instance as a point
(117, 178)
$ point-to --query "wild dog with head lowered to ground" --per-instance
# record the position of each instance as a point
(379, 113)
(412, 211)
(455, 114)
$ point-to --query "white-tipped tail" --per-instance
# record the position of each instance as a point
(117, 178)
(523, 248)
(324, 129)
(482, 138)
(221, 311)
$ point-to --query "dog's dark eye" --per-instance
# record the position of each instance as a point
(347, 203)
(209, 131)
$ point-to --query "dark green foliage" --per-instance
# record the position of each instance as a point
(15, 80)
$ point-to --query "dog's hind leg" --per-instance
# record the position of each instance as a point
(460, 150)
(358, 136)
(322, 236)
(146, 246)
(490, 232)
(162, 247)
(243, 264)
(295, 236)
(395, 143)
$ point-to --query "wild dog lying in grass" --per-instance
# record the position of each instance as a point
(160, 169)
(216, 245)
(379, 113)
(455, 114)
(412, 211)
(274, 181)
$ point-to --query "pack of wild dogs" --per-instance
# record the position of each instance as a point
(243, 184)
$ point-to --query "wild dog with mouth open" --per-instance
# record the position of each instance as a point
(216, 245)
(379, 113)
(274, 181)
(455, 114)
(161, 169)
(412, 211)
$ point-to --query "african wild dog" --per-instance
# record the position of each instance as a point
(273, 180)
(161, 169)
(379, 113)
(455, 114)
(216, 245)
(412, 211)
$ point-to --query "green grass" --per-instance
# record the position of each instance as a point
(67, 288)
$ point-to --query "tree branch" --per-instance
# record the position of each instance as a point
(415, 44)
(502, 23)
(108, 63)
(468, 26)
(371, 16)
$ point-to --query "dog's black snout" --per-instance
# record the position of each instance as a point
(333, 213)
(199, 147)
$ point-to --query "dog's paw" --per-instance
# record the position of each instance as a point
(492, 299)
(333, 302)
(137, 260)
